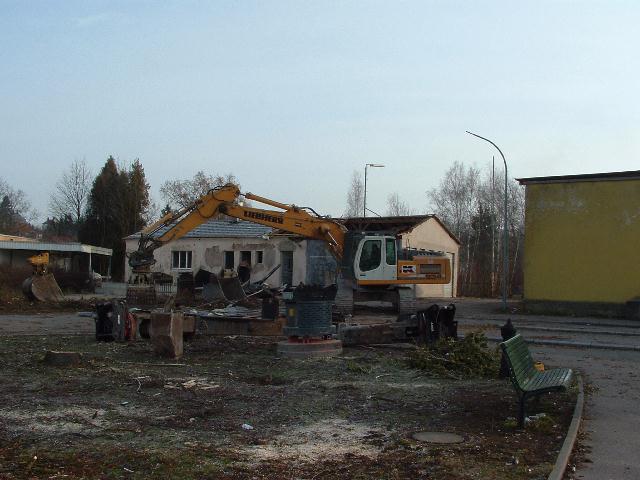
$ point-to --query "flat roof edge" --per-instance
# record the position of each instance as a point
(55, 247)
(586, 177)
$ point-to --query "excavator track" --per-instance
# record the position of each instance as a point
(406, 300)
(344, 298)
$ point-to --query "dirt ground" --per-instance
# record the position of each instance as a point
(232, 408)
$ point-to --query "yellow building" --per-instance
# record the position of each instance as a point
(582, 243)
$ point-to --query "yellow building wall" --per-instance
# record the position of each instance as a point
(582, 241)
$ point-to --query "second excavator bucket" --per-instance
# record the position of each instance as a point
(43, 288)
(232, 289)
(223, 289)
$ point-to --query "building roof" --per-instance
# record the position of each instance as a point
(34, 245)
(587, 177)
(392, 225)
(222, 229)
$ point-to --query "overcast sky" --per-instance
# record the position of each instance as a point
(291, 97)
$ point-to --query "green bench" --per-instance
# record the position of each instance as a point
(526, 379)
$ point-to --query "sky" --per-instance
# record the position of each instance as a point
(292, 97)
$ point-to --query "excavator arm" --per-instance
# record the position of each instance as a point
(291, 219)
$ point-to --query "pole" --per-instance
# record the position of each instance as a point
(364, 207)
(367, 165)
(505, 238)
(493, 222)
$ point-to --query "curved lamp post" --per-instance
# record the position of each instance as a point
(505, 240)
(367, 165)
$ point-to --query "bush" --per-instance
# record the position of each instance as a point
(466, 358)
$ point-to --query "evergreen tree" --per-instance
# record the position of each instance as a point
(138, 197)
(7, 215)
(117, 203)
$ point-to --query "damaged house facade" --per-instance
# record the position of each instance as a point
(219, 245)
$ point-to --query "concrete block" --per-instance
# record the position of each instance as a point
(189, 324)
(317, 349)
(62, 359)
(366, 334)
(166, 334)
(266, 327)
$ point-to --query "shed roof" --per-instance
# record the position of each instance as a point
(14, 238)
(586, 177)
(392, 225)
(221, 229)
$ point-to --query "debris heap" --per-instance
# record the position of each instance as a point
(469, 357)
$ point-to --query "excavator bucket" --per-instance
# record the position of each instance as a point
(232, 289)
(212, 291)
(43, 288)
(223, 289)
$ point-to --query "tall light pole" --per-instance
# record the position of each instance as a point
(505, 236)
(367, 165)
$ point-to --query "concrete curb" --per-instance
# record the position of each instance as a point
(568, 343)
(532, 328)
(567, 447)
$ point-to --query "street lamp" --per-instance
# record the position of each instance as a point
(505, 239)
(367, 165)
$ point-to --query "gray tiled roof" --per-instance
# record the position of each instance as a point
(223, 228)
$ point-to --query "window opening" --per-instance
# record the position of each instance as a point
(391, 251)
(370, 255)
(229, 261)
(181, 259)
(245, 256)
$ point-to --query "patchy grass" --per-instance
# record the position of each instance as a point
(127, 414)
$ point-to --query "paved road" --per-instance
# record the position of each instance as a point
(46, 324)
(612, 416)
(612, 413)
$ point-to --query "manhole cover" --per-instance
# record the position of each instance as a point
(438, 437)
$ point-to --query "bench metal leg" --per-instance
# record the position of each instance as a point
(521, 411)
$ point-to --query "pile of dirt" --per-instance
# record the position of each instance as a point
(466, 358)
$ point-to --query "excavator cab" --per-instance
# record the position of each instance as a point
(376, 259)
(381, 260)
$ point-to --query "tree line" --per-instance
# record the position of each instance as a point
(103, 209)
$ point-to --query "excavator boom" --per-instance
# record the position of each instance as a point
(224, 200)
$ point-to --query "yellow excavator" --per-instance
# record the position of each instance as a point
(371, 266)
(41, 285)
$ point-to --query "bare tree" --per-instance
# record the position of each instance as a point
(183, 193)
(355, 196)
(455, 199)
(72, 191)
(396, 207)
(153, 212)
(18, 201)
(471, 204)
